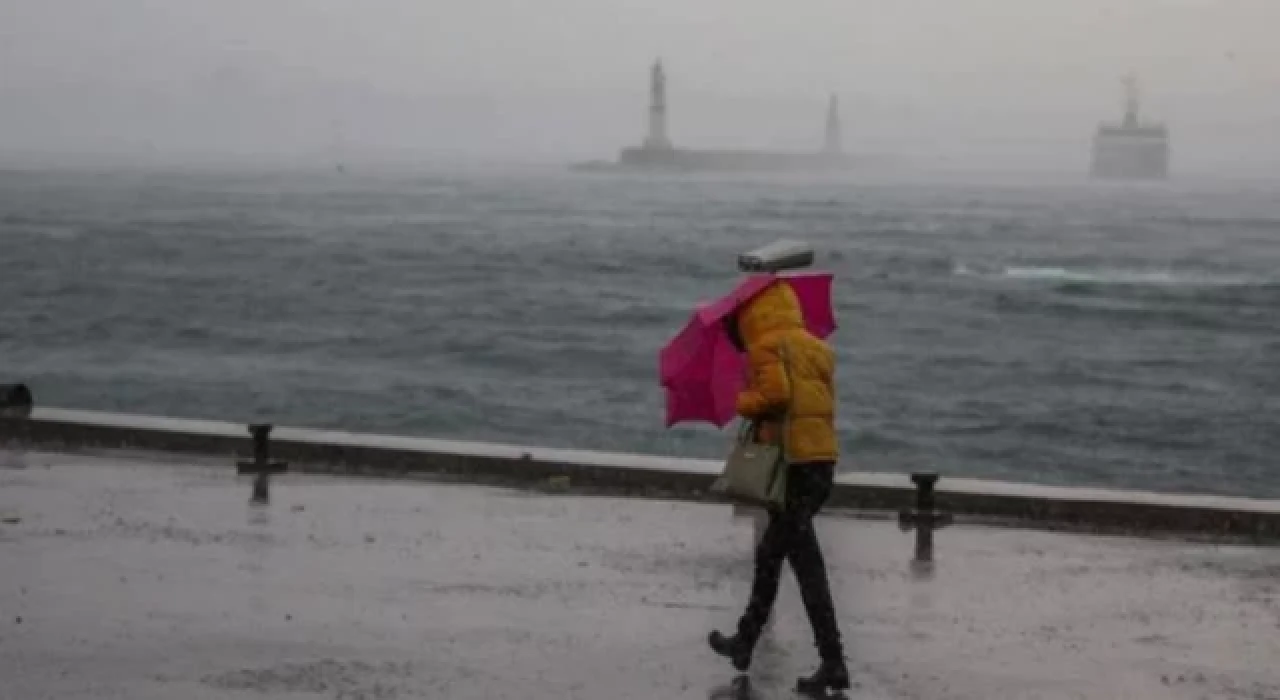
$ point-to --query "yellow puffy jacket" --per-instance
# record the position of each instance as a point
(771, 324)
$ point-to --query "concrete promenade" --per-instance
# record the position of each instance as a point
(144, 577)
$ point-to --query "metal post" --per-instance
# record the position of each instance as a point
(16, 404)
(15, 401)
(924, 518)
(261, 466)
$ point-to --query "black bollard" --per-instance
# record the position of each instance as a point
(261, 466)
(15, 401)
(924, 518)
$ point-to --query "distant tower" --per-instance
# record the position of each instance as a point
(339, 148)
(657, 138)
(1130, 101)
(1132, 149)
(832, 144)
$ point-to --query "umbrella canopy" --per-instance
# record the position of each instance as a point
(701, 370)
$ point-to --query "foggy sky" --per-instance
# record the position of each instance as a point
(952, 81)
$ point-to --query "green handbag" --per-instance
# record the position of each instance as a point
(756, 473)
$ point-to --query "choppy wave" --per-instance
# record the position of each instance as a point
(1118, 276)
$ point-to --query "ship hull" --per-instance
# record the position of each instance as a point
(1130, 154)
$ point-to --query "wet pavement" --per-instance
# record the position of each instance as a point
(129, 578)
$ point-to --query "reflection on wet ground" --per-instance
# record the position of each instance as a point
(135, 579)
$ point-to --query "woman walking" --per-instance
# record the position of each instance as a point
(792, 376)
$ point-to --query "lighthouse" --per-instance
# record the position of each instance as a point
(832, 144)
(657, 139)
(656, 152)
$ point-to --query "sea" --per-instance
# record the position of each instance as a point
(1053, 331)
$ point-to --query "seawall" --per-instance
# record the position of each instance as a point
(588, 472)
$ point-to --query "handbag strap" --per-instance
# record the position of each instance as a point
(784, 464)
(785, 354)
(750, 429)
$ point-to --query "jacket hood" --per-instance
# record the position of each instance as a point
(775, 309)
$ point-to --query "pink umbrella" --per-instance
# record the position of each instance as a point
(702, 371)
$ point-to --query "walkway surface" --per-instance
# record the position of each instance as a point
(134, 579)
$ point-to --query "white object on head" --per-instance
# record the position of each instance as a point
(776, 257)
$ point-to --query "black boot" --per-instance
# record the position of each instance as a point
(735, 648)
(831, 675)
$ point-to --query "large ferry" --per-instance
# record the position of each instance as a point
(1132, 149)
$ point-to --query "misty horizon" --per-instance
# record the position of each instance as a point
(981, 84)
